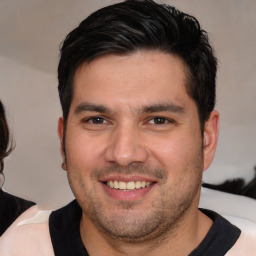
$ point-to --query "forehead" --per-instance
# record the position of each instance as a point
(142, 78)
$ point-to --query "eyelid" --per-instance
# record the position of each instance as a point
(90, 118)
(167, 119)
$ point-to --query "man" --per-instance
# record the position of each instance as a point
(137, 88)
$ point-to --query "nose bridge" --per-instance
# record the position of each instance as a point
(126, 145)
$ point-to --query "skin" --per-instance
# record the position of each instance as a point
(131, 119)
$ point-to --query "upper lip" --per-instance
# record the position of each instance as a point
(126, 178)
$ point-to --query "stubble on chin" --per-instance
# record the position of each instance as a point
(155, 223)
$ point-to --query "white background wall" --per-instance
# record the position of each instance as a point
(30, 34)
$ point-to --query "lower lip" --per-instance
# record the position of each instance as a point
(127, 195)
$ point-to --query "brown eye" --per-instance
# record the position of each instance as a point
(96, 120)
(159, 120)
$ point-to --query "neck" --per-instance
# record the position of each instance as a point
(190, 231)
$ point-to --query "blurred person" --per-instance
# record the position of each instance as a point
(10, 206)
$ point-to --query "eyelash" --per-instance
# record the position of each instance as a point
(160, 118)
(92, 119)
(157, 120)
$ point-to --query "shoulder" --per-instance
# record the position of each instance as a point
(11, 207)
(238, 210)
(246, 244)
(29, 234)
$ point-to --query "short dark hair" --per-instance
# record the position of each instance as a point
(5, 140)
(134, 25)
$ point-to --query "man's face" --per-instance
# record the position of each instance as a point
(133, 146)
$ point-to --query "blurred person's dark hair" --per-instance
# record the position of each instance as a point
(6, 145)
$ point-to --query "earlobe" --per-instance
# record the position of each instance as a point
(61, 133)
(211, 131)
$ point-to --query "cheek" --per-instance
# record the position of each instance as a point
(175, 149)
(83, 152)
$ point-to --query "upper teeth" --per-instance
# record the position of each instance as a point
(130, 185)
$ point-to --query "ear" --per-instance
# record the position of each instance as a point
(60, 133)
(211, 131)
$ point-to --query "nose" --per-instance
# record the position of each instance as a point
(126, 147)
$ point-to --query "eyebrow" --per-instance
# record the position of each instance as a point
(163, 107)
(83, 107)
(91, 107)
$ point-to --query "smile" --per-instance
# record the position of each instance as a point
(130, 185)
